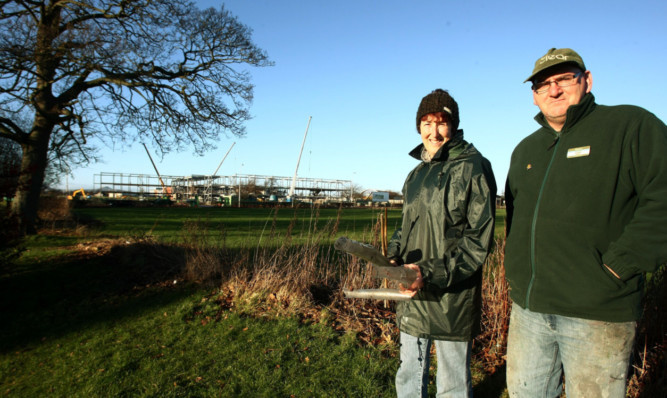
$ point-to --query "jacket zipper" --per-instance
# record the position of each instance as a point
(554, 145)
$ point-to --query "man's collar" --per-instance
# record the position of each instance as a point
(574, 113)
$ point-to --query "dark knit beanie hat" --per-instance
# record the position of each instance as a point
(439, 100)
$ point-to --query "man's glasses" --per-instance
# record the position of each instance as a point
(562, 81)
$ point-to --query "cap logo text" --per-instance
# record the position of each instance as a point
(551, 57)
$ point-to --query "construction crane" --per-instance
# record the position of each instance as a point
(208, 194)
(293, 186)
(165, 190)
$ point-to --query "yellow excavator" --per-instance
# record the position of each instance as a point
(77, 192)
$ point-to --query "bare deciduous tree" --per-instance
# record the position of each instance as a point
(160, 71)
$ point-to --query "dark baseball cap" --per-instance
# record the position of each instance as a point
(555, 57)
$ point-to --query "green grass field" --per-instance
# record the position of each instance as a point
(82, 319)
(243, 225)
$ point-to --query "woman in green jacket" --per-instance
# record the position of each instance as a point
(446, 235)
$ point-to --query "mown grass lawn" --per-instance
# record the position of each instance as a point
(145, 346)
(241, 225)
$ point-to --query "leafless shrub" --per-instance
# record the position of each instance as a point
(649, 360)
(491, 344)
(54, 212)
(204, 256)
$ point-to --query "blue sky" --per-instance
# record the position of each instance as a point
(360, 68)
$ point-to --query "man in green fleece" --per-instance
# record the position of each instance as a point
(445, 236)
(586, 219)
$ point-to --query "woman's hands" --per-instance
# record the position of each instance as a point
(416, 285)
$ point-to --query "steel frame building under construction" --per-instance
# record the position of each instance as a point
(213, 189)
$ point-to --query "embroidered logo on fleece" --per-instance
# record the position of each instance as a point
(579, 152)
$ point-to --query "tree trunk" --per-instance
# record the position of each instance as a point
(31, 177)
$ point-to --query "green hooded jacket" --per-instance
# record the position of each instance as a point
(594, 193)
(447, 230)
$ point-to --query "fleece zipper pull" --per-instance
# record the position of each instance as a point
(555, 141)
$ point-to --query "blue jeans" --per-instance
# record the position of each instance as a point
(453, 371)
(594, 355)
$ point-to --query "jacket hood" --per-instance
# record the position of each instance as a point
(455, 148)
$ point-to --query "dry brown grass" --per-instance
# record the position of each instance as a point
(649, 360)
